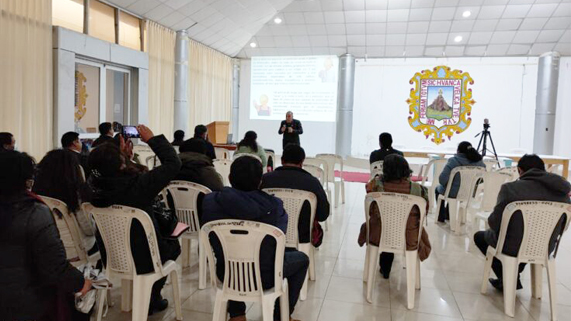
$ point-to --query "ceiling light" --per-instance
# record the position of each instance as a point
(253, 44)
(466, 14)
(278, 20)
(458, 38)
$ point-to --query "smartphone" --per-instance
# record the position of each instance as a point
(130, 132)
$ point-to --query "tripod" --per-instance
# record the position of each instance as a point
(483, 141)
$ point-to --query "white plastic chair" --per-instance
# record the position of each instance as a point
(458, 204)
(152, 162)
(512, 171)
(376, 169)
(394, 209)
(333, 160)
(222, 153)
(272, 156)
(185, 200)
(114, 225)
(222, 166)
(540, 219)
(436, 165)
(318, 173)
(241, 242)
(491, 164)
(319, 163)
(236, 156)
(144, 153)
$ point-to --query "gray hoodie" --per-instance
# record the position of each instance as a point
(534, 185)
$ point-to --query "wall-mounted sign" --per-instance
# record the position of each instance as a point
(440, 103)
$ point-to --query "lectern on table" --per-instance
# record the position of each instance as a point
(218, 132)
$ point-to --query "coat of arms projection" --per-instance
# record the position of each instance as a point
(440, 103)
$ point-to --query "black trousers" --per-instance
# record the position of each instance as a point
(386, 261)
(444, 213)
(482, 244)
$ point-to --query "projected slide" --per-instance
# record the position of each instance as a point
(306, 85)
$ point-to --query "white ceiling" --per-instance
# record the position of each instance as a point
(373, 28)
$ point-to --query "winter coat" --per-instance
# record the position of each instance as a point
(380, 154)
(453, 162)
(33, 264)
(198, 168)
(140, 191)
(534, 185)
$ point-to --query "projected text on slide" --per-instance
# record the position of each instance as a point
(306, 85)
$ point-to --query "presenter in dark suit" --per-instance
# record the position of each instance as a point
(291, 129)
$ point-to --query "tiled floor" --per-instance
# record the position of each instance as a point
(450, 291)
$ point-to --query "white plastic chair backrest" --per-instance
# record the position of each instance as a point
(185, 199)
(241, 242)
(491, 164)
(318, 162)
(376, 168)
(394, 209)
(316, 172)
(142, 149)
(437, 165)
(68, 230)
(221, 153)
(114, 225)
(539, 221)
(512, 171)
(293, 200)
(332, 160)
(236, 156)
(222, 166)
(493, 182)
(467, 174)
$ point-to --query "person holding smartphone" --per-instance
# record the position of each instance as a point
(291, 129)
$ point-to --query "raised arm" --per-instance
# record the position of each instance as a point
(281, 130)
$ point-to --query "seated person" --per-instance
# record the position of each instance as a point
(396, 179)
(7, 142)
(249, 145)
(116, 181)
(197, 167)
(535, 184)
(466, 155)
(178, 138)
(292, 175)
(200, 131)
(33, 266)
(105, 134)
(59, 176)
(70, 141)
(245, 201)
(386, 144)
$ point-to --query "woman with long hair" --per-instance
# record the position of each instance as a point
(249, 145)
(466, 155)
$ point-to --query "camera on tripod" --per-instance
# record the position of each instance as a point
(486, 124)
(482, 145)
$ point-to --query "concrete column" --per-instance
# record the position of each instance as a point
(546, 103)
(181, 107)
(345, 92)
(235, 99)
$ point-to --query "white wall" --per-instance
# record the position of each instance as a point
(562, 144)
(317, 137)
(504, 91)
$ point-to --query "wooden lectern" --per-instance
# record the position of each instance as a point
(218, 132)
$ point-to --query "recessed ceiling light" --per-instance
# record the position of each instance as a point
(458, 38)
(466, 14)
(278, 20)
(253, 44)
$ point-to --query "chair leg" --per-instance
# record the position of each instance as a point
(176, 294)
(305, 249)
(343, 192)
(509, 267)
(311, 262)
(220, 307)
(411, 262)
(536, 280)
(552, 278)
(102, 293)
(284, 302)
(142, 288)
(126, 295)
(487, 270)
(201, 266)
(439, 204)
(418, 273)
(475, 228)
(186, 246)
(366, 266)
(453, 212)
(371, 275)
(268, 309)
(336, 186)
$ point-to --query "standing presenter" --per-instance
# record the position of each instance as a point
(291, 129)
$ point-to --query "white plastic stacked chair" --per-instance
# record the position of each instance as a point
(241, 242)
(540, 219)
(481, 206)
(114, 225)
(491, 164)
(293, 200)
(394, 209)
(333, 160)
(457, 205)
(222, 166)
(376, 168)
(144, 152)
(436, 165)
(512, 171)
(185, 199)
(319, 173)
(319, 163)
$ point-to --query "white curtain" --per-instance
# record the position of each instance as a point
(210, 85)
(161, 45)
(26, 74)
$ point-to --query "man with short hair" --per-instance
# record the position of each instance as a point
(535, 184)
(386, 144)
(200, 131)
(105, 134)
(197, 167)
(7, 141)
(292, 175)
(291, 129)
(245, 201)
(178, 138)
(70, 141)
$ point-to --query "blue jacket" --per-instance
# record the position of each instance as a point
(455, 161)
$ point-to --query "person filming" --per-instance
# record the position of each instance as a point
(291, 129)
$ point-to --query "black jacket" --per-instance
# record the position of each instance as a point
(534, 185)
(83, 161)
(101, 140)
(140, 191)
(298, 178)
(293, 137)
(33, 264)
(380, 154)
(198, 168)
